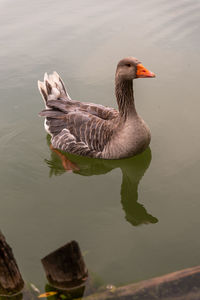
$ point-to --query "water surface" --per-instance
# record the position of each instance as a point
(135, 218)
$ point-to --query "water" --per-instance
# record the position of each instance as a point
(134, 218)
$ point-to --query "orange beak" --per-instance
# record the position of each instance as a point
(142, 72)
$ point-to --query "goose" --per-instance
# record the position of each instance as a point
(93, 130)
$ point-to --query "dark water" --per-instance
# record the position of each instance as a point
(135, 218)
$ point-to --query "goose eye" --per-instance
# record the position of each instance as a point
(128, 65)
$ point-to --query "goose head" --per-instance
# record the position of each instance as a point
(131, 68)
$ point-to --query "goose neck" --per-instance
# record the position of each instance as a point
(125, 97)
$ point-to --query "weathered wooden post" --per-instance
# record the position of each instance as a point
(11, 281)
(65, 268)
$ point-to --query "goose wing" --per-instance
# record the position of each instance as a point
(103, 112)
(78, 131)
(77, 127)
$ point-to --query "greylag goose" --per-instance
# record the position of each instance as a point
(94, 130)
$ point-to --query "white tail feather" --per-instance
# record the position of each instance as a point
(43, 91)
(52, 88)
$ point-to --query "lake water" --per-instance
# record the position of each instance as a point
(135, 218)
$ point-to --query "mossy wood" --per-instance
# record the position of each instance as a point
(11, 281)
(65, 267)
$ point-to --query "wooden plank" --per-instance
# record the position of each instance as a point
(180, 285)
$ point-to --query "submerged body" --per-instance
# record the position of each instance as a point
(93, 130)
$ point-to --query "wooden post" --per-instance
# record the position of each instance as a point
(65, 267)
(11, 281)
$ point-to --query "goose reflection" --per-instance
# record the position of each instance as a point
(132, 169)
